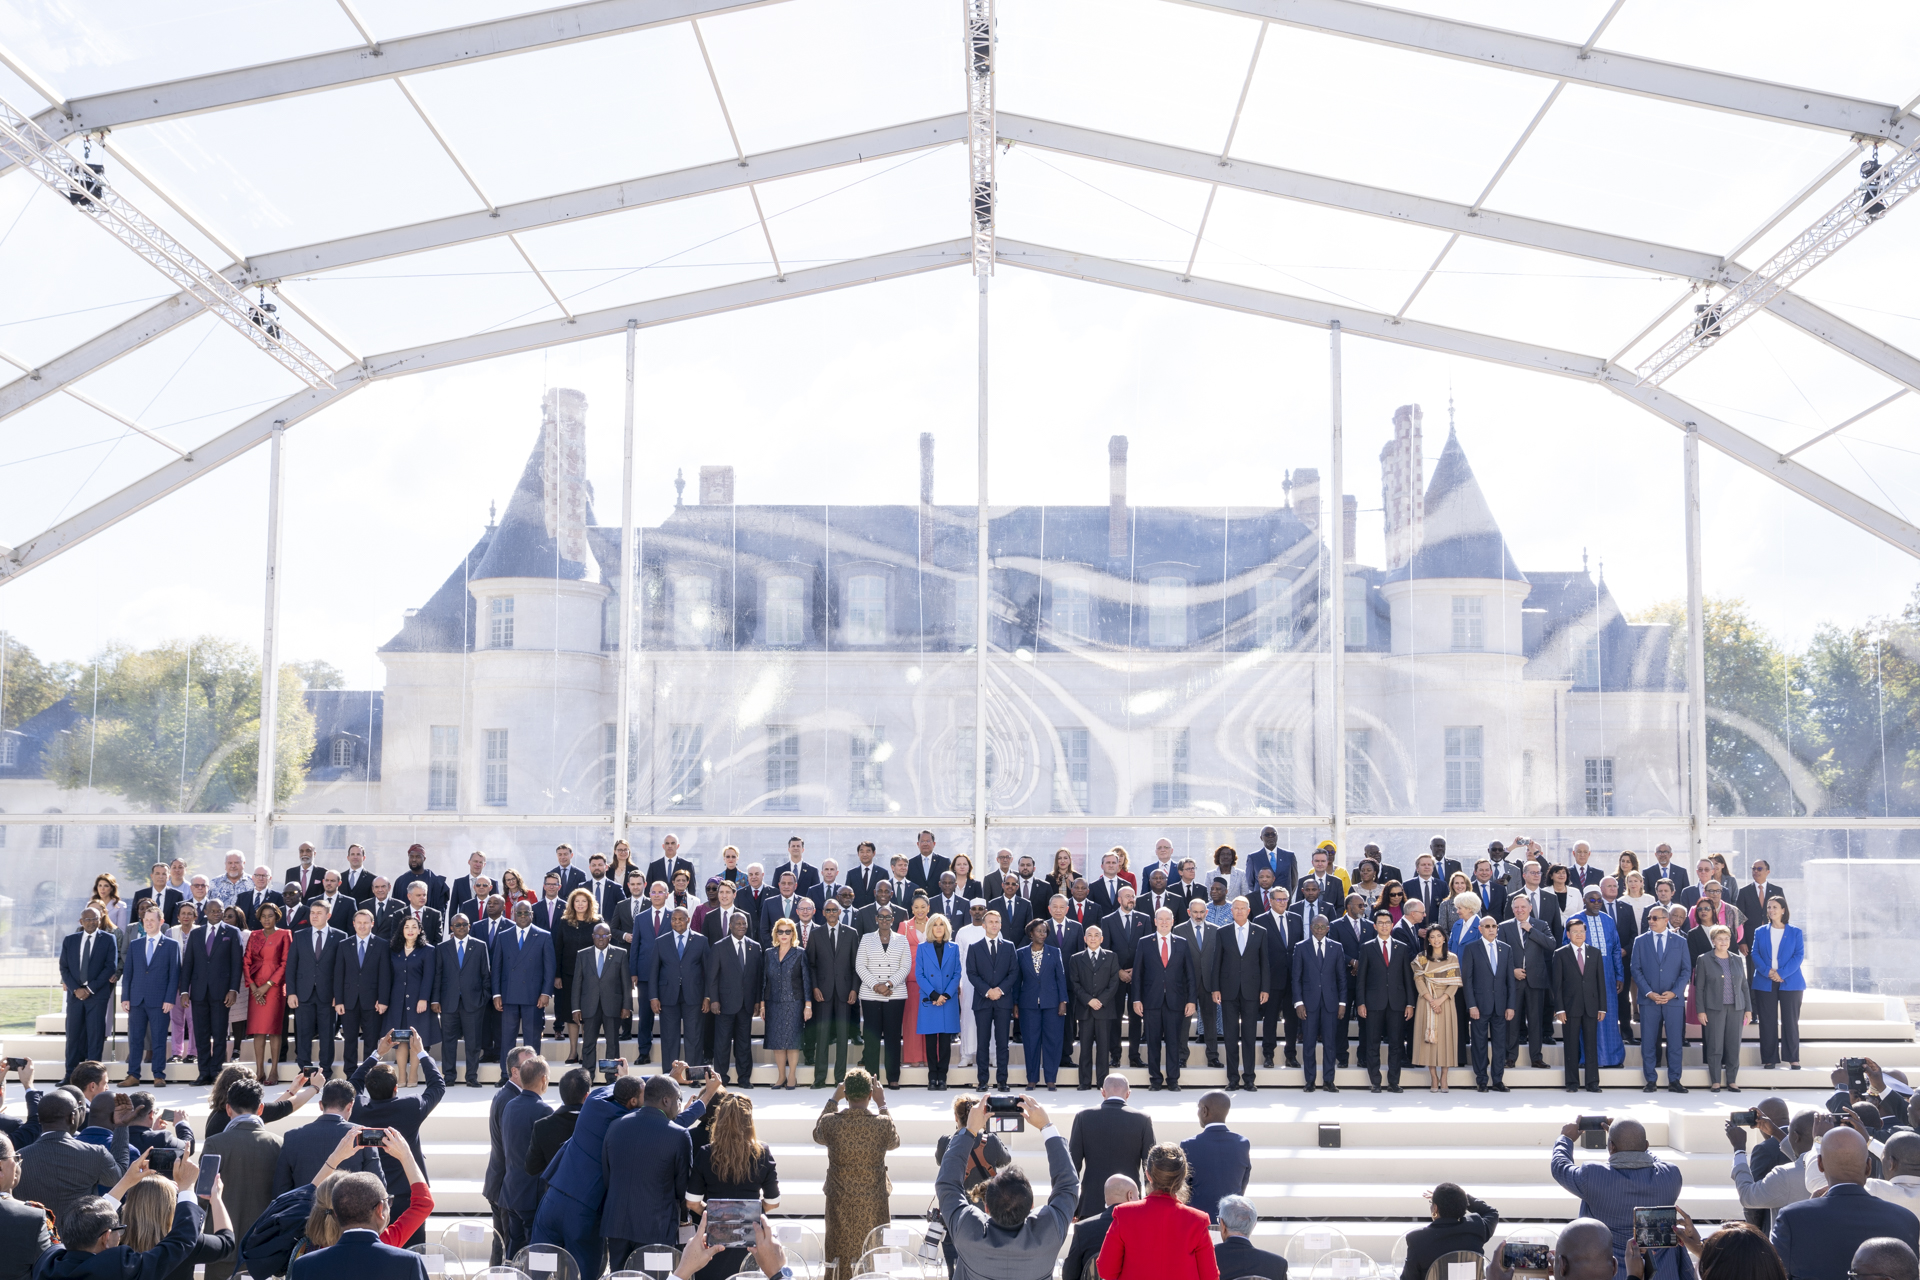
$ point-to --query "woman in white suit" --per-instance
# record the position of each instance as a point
(883, 964)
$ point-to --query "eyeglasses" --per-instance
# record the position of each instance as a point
(1867, 1275)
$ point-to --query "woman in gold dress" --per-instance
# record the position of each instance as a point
(1436, 1031)
(858, 1191)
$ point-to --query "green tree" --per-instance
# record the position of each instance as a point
(29, 686)
(1864, 685)
(318, 673)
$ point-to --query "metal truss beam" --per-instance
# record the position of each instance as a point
(230, 444)
(1729, 440)
(1458, 219)
(1563, 60)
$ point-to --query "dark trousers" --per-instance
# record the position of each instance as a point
(210, 1033)
(678, 1023)
(1166, 1035)
(993, 1029)
(1069, 1034)
(1238, 1021)
(490, 1033)
(312, 1021)
(1041, 1031)
(1581, 1034)
(1343, 1028)
(1670, 1017)
(1277, 1018)
(1530, 1021)
(1207, 1014)
(643, 1025)
(1318, 1029)
(939, 1046)
(87, 1029)
(1383, 1022)
(1778, 1013)
(707, 1039)
(359, 1033)
(883, 1019)
(1099, 1047)
(593, 1024)
(453, 1024)
(733, 1032)
(1489, 1038)
(519, 1022)
(147, 1026)
(519, 1231)
(502, 1228)
(833, 1023)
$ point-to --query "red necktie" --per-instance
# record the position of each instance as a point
(1385, 955)
(1164, 956)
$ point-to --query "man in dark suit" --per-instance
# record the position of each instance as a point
(1284, 931)
(734, 985)
(603, 992)
(24, 1232)
(1427, 885)
(1124, 927)
(992, 971)
(210, 981)
(638, 920)
(306, 873)
(431, 920)
(248, 1153)
(418, 872)
(251, 900)
(1320, 999)
(605, 892)
(1816, 1239)
(340, 906)
(1089, 1233)
(168, 897)
(1352, 929)
(1661, 968)
(1093, 981)
(1486, 981)
(831, 950)
(1235, 970)
(380, 1106)
(1582, 872)
(925, 867)
(661, 869)
(825, 886)
(493, 1187)
(1492, 892)
(1219, 1161)
(519, 1185)
(1385, 870)
(305, 1148)
(463, 992)
(1460, 1224)
(1270, 856)
(1015, 911)
(1235, 1255)
(1663, 867)
(718, 924)
(1200, 935)
(1063, 936)
(997, 880)
(1166, 992)
(784, 905)
(571, 877)
(865, 873)
(648, 1156)
(147, 992)
(1383, 991)
(462, 892)
(1104, 890)
(948, 901)
(1107, 1141)
(312, 956)
(678, 982)
(386, 907)
(805, 874)
(356, 881)
(1311, 904)
(1580, 995)
(522, 966)
(1753, 895)
(88, 960)
(360, 1207)
(1545, 907)
(1532, 945)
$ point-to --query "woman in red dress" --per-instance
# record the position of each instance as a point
(266, 972)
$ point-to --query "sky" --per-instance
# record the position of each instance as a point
(822, 399)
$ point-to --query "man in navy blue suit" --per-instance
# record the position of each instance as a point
(87, 962)
(210, 980)
(805, 875)
(360, 969)
(462, 996)
(312, 955)
(1220, 1161)
(523, 969)
(733, 990)
(925, 866)
(677, 981)
(1661, 968)
(783, 905)
(647, 1156)
(150, 985)
(571, 877)
(1270, 855)
(646, 918)
(1486, 981)
(1319, 999)
(360, 1207)
(1816, 1239)
(990, 970)
(1166, 991)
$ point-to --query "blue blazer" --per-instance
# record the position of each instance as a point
(1320, 985)
(1219, 1163)
(1489, 992)
(205, 976)
(986, 972)
(102, 960)
(938, 977)
(357, 985)
(152, 984)
(640, 950)
(1046, 989)
(1669, 974)
(308, 977)
(521, 975)
(677, 979)
(468, 987)
(1816, 1238)
(1793, 950)
(1281, 860)
(1172, 987)
(645, 1164)
(360, 1255)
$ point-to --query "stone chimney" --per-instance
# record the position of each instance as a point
(1306, 496)
(1349, 525)
(926, 496)
(564, 470)
(1117, 539)
(716, 486)
(1403, 487)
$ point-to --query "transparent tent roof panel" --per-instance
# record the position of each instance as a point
(430, 297)
(655, 252)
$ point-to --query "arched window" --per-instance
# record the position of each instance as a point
(866, 609)
(785, 610)
(341, 755)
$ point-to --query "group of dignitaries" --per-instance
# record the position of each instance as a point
(1268, 951)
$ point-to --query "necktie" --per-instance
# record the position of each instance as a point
(599, 961)
(1385, 954)
(1165, 954)
(363, 951)
(459, 952)
(153, 945)
(680, 942)
(318, 937)
(1580, 958)
(210, 939)
(740, 948)
(1320, 951)
(1659, 948)
(86, 945)
(656, 922)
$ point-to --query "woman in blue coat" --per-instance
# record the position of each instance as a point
(1778, 985)
(410, 997)
(936, 967)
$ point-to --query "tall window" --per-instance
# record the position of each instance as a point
(1169, 770)
(693, 611)
(1072, 788)
(1599, 786)
(52, 835)
(500, 622)
(687, 767)
(443, 767)
(1354, 603)
(1072, 609)
(1359, 771)
(9, 750)
(340, 753)
(866, 609)
(783, 766)
(496, 766)
(963, 767)
(867, 785)
(1586, 668)
(107, 838)
(334, 836)
(1167, 612)
(1465, 772)
(1469, 623)
(786, 610)
(609, 764)
(1273, 770)
(1273, 612)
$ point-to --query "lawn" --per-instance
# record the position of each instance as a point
(20, 1005)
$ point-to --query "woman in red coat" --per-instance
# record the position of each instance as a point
(1159, 1238)
(265, 969)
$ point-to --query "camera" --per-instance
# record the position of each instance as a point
(402, 1034)
(1004, 1114)
(1655, 1228)
(1748, 1119)
(1518, 1256)
(160, 1160)
(369, 1137)
(16, 1064)
(1593, 1132)
(1856, 1069)
(610, 1067)
(174, 1115)
(698, 1075)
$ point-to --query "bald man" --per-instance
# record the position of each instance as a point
(1609, 1192)
(1901, 1186)
(1884, 1258)
(1584, 1251)
(1090, 1233)
(1817, 1238)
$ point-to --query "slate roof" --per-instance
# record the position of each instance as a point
(1462, 540)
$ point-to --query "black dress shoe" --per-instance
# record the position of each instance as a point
(1293, 1060)
(1573, 1088)
(1309, 1087)
(1593, 1088)
(1267, 1061)
(1155, 1087)
(1501, 1087)
(1538, 1064)
(1373, 1088)
(1331, 1088)
(1215, 1063)
(1394, 1088)
(1249, 1086)
(1172, 1087)
(473, 1084)
(1479, 1088)
(1677, 1087)
(1650, 1087)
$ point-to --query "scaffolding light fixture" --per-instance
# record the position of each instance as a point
(1881, 188)
(83, 184)
(981, 127)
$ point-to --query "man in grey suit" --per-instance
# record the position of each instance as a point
(1004, 1236)
(249, 1154)
(465, 988)
(603, 992)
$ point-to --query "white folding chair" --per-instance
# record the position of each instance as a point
(1310, 1243)
(472, 1241)
(1345, 1264)
(546, 1262)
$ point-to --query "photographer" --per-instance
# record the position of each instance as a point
(1610, 1192)
(91, 1234)
(769, 1255)
(1005, 1237)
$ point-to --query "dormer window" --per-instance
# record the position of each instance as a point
(866, 609)
(1072, 609)
(1167, 612)
(692, 611)
(784, 608)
